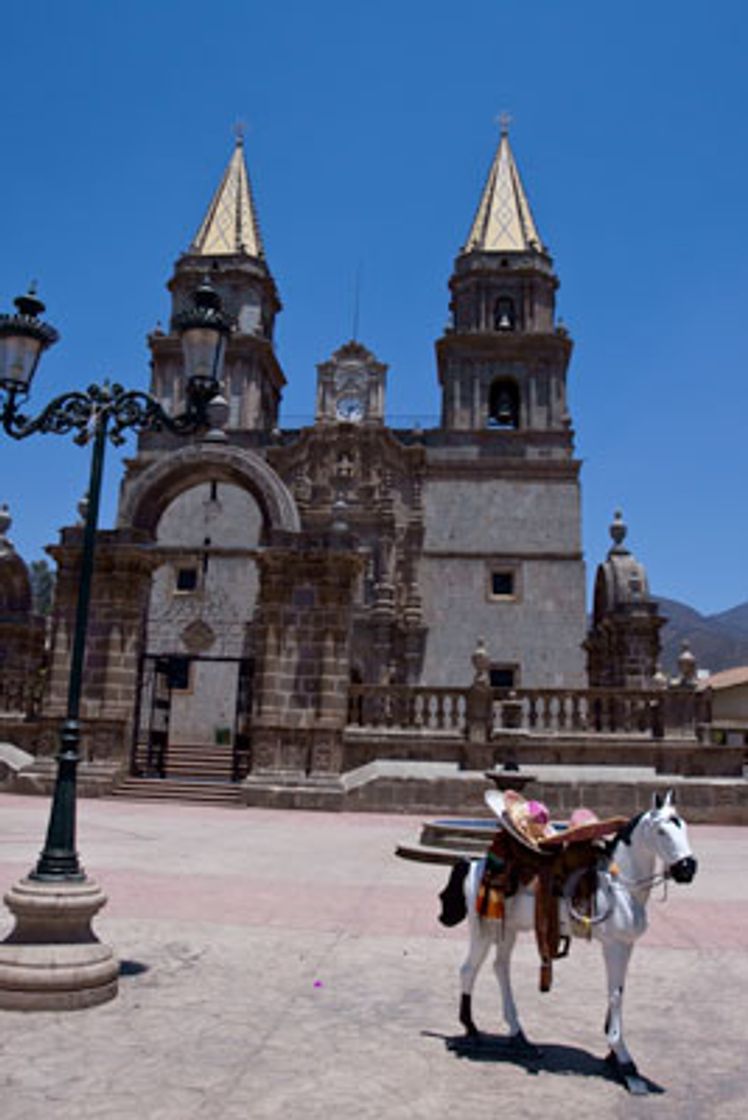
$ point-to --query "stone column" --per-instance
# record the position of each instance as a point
(303, 632)
(119, 595)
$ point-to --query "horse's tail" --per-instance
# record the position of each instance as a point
(454, 908)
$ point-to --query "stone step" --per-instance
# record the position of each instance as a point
(197, 761)
(198, 766)
(166, 789)
(198, 750)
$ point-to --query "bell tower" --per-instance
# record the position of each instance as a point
(227, 250)
(502, 360)
(502, 554)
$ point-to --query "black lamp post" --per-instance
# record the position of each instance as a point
(99, 413)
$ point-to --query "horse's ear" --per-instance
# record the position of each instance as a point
(657, 801)
(670, 799)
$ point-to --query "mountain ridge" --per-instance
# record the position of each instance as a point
(717, 641)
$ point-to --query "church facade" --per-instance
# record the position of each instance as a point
(257, 576)
(470, 529)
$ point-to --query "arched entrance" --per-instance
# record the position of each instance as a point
(207, 510)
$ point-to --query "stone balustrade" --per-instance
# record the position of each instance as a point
(545, 711)
(20, 695)
(404, 708)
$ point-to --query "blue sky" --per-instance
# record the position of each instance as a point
(370, 128)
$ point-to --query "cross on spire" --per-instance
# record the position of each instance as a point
(503, 120)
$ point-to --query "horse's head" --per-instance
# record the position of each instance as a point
(668, 837)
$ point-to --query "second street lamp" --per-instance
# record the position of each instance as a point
(95, 415)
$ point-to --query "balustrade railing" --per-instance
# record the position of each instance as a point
(402, 708)
(19, 695)
(533, 711)
(559, 711)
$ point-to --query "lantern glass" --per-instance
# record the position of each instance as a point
(19, 355)
(203, 351)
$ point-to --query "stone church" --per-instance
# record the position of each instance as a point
(262, 583)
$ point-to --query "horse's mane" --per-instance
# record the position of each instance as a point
(624, 833)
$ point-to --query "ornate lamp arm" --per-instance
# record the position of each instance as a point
(82, 412)
(67, 413)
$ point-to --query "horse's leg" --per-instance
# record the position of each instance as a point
(502, 968)
(480, 942)
(617, 956)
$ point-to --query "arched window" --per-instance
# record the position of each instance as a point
(504, 318)
(503, 404)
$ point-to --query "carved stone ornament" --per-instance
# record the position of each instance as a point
(481, 662)
(198, 636)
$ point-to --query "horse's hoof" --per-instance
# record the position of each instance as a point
(466, 1017)
(628, 1075)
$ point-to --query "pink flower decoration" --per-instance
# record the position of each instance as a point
(537, 812)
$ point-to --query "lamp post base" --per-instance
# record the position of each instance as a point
(52, 959)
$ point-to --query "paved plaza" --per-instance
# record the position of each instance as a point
(283, 964)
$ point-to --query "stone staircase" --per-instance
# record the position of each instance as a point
(194, 773)
(193, 790)
(208, 763)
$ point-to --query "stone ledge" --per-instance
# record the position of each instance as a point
(702, 801)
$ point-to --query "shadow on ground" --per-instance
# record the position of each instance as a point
(567, 1061)
(132, 968)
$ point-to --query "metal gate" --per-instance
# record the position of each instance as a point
(165, 678)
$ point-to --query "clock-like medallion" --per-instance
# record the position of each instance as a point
(349, 408)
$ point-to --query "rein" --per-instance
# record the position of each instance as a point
(653, 880)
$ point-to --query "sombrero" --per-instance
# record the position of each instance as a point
(529, 823)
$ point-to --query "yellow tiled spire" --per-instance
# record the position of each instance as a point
(230, 225)
(504, 221)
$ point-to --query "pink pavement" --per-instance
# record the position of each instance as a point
(287, 963)
(299, 870)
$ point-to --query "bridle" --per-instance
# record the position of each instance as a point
(607, 882)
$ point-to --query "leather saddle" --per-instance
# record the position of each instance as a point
(511, 865)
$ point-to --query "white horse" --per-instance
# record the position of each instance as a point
(624, 882)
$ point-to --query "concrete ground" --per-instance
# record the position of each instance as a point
(286, 964)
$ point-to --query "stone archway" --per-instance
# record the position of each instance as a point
(196, 656)
(148, 493)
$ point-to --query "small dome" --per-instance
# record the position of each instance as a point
(621, 581)
(15, 586)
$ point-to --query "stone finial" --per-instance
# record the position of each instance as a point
(82, 508)
(659, 678)
(618, 531)
(218, 416)
(687, 667)
(481, 662)
(5, 523)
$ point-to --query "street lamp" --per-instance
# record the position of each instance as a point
(100, 413)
